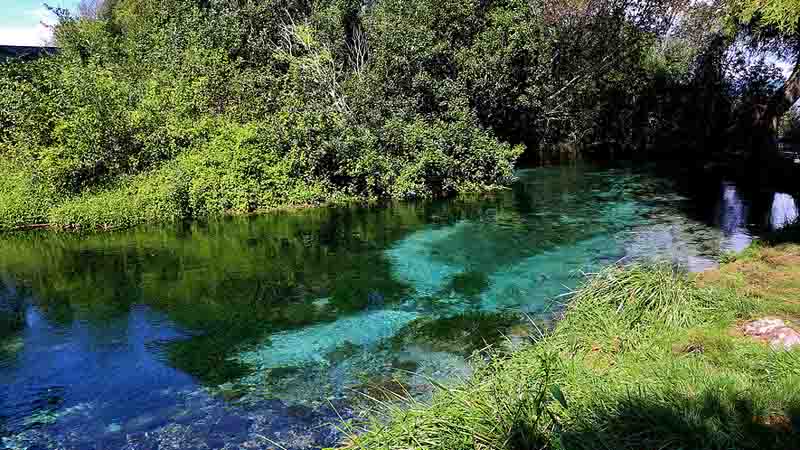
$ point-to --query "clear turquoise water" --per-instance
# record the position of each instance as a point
(247, 332)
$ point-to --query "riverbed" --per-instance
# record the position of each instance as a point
(268, 331)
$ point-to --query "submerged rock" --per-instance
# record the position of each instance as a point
(775, 331)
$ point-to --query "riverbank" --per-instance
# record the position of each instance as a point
(169, 195)
(642, 358)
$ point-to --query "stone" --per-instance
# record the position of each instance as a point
(775, 331)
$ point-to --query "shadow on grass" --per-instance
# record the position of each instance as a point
(711, 421)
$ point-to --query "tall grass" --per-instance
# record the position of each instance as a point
(642, 358)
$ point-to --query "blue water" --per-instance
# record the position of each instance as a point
(266, 331)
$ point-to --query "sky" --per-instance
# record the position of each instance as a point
(21, 21)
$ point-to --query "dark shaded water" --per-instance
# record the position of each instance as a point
(248, 332)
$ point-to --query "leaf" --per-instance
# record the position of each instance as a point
(555, 390)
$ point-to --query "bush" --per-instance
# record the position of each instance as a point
(24, 196)
(443, 158)
(157, 196)
(186, 128)
(257, 167)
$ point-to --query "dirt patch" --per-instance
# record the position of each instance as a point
(783, 260)
(708, 277)
(782, 256)
(771, 275)
(689, 349)
(781, 424)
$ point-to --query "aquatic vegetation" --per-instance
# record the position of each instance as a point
(10, 346)
(451, 271)
(413, 260)
(11, 322)
(12, 312)
(207, 357)
(462, 334)
(468, 284)
(532, 283)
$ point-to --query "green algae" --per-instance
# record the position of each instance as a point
(462, 334)
(468, 284)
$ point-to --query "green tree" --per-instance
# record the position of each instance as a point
(168, 109)
(774, 24)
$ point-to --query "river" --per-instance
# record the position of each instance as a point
(266, 331)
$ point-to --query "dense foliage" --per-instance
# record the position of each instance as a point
(163, 110)
(783, 15)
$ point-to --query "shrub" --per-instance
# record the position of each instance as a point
(25, 197)
(156, 196)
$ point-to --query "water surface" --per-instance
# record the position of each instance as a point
(252, 332)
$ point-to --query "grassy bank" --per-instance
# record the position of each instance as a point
(255, 168)
(642, 358)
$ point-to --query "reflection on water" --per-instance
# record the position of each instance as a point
(733, 211)
(784, 210)
(733, 218)
(249, 331)
(739, 221)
